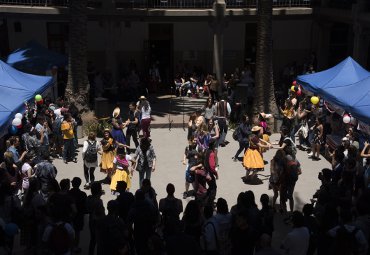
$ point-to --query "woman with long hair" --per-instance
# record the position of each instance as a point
(318, 139)
(214, 131)
(11, 172)
(209, 109)
(118, 126)
(26, 172)
(108, 146)
(203, 137)
(277, 168)
(192, 125)
(253, 161)
(145, 110)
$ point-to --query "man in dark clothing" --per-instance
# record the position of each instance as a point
(170, 207)
(143, 215)
(124, 200)
(243, 236)
(132, 124)
(111, 232)
(45, 172)
(79, 198)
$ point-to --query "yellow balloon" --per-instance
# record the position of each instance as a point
(292, 88)
(315, 100)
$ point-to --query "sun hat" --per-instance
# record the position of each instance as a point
(256, 128)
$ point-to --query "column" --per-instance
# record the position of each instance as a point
(219, 9)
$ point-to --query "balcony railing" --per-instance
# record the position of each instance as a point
(162, 4)
(275, 3)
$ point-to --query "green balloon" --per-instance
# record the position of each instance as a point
(38, 98)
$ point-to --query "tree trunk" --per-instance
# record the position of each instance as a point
(78, 83)
(264, 100)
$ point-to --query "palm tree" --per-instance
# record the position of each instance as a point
(77, 87)
(264, 100)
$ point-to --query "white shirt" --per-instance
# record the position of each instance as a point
(128, 158)
(25, 179)
(145, 114)
(84, 149)
(296, 242)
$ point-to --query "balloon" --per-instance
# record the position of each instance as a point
(16, 122)
(19, 116)
(38, 97)
(346, 118)
(292, 88)
(299, 92)
(315, 100)
(19, 126)
(13, 130)
(353, 121)
(294, 83)
(40, 102)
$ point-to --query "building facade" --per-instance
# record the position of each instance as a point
(179, 34)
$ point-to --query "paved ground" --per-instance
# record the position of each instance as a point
(169, 147)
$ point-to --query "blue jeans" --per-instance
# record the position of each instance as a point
(68, 149)
(145, 171)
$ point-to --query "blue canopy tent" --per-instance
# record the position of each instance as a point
(346, 85)
(16, 88)
(35, 58)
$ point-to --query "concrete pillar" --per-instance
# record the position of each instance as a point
(218, 25)
(323, 45)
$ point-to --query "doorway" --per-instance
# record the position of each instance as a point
(160, 53)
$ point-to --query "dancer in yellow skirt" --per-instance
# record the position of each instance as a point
(108, 146)
(121, 165)
(253, 160)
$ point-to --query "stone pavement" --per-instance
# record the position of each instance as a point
(168, 111)
(169, 147)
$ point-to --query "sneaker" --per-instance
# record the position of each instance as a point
(310, 154)
(185, 195)
(65, 161)
(75, 160)
(87, 186)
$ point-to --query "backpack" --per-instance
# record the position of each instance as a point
(236, 134)
(59, 241)
(345, 241)
(91, 154)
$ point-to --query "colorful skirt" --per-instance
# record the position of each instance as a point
(120, 175)
(107, 161)
(253, 160)
(266, 138)
(118, 135)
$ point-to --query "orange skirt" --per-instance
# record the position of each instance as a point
(253, 159)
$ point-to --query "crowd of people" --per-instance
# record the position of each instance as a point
(50, 215)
